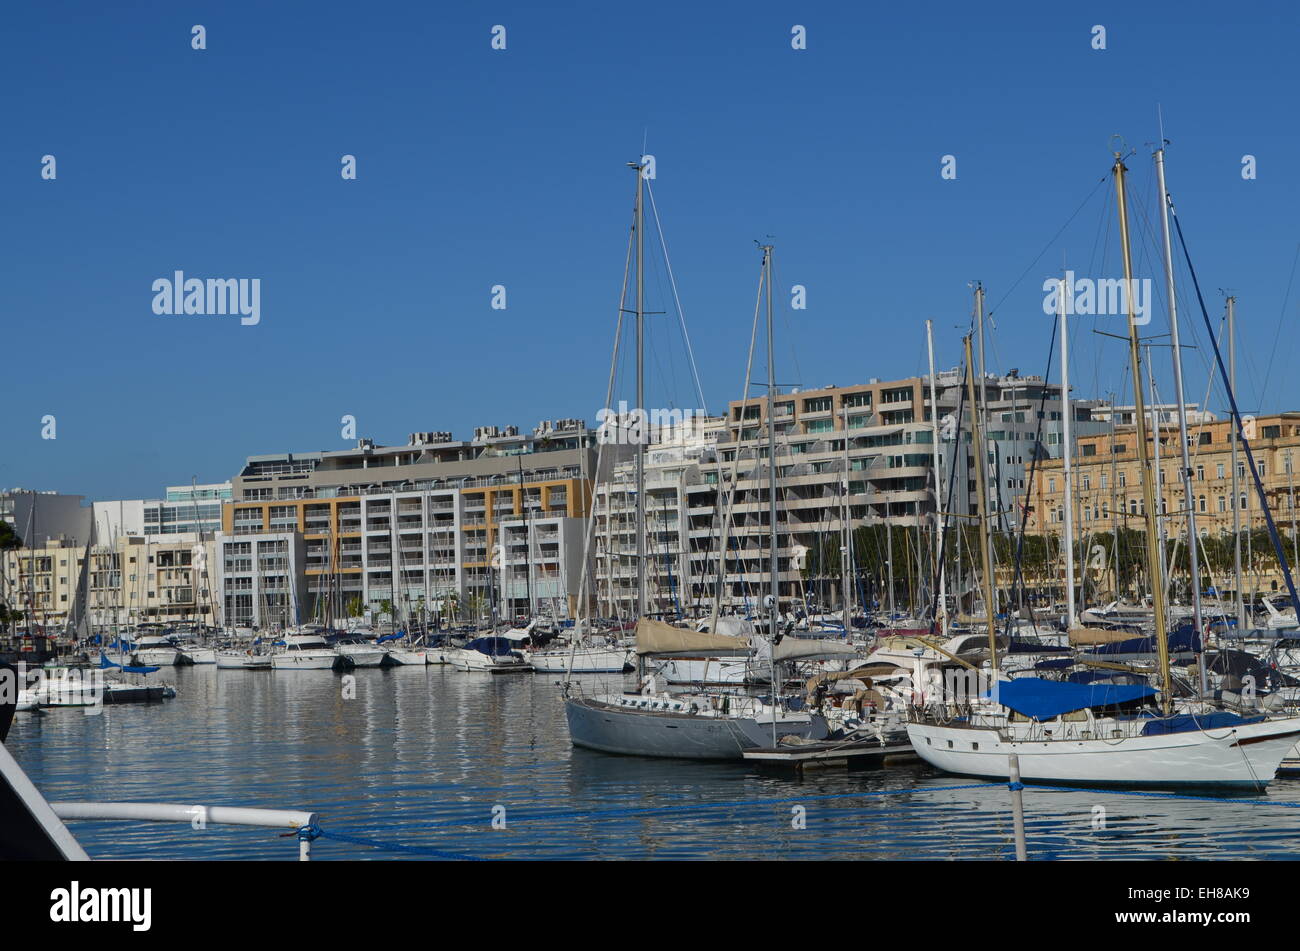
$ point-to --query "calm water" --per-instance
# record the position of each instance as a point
(422, 755)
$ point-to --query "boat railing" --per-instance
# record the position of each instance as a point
(198, 817)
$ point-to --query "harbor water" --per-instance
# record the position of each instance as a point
(439, 761)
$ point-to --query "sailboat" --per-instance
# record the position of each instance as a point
(1099, 734)
(654, 722)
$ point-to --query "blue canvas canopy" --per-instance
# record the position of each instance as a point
(492, 646)
(1044, 699)
(396, 636)
(106, 664)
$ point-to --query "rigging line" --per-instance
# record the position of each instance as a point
(587, 563)
(1236, 418)
(1019, 567)
(681, 315)
(992, 310)
(1281, 317)
(730, 489)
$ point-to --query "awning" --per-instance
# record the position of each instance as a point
(659, 637)
(803, 648)
(1044, 699)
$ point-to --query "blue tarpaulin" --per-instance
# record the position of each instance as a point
(1044, 699)
(1186, 722)
(492, 646)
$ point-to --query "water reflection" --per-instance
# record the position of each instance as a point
(422, 755)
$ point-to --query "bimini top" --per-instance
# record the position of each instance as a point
(1044, 699)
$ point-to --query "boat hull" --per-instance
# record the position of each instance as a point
(242, 661)
(600, 726)
(585, 660)
(304, 660)
(1245, 756)
(408, 658)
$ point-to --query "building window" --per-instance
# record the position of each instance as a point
(1200, 473)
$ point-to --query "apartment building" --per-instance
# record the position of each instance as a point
(131, 579)
(491, 523)
(39, 517)
(1108, 490)
(859, 455)
(184, 509)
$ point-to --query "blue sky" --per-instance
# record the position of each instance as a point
(479, 167)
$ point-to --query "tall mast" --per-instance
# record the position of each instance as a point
(771, 445)
(1193, 537)
(640, 392)
(942, 600)
(1144, 451)
(1062, 311)
(846, 560)
(984, 407)
(1236, 492)
(981, 466)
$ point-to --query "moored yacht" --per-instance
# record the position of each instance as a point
(304, 652)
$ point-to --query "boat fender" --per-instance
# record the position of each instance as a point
(694, 709)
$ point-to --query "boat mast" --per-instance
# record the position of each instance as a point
(775, 592)
(1071, 617)
(1236, 492)
(942, 601)
(981, 465)
(984, 410)
(846, 560)
(1144, 472)
(642, 428)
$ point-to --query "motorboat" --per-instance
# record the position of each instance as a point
(304, 652)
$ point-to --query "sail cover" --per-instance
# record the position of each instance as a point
(803, 648)
(1044, 699)
(659, 637)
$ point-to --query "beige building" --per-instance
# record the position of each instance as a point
(1108, 488)
(131, 580)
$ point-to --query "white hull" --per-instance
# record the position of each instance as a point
(409, 658)
(200, 655)
(586, 660)
(157, 657)
(468, 660)
(1245, 755)
(231, 660)
(689, 670)
(363, 655)
(304, 660)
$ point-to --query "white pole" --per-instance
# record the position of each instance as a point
(1071, 619)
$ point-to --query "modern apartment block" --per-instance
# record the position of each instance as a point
(132, 579)
(39, 517)
(184, 509)
(492, 521)
(883, 472)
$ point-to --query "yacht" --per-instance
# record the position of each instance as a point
(359, 652)
(1101, 735)
(494, 655)
(304, 652)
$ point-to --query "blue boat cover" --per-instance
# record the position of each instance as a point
(396, 636)
(1185, 722)
(1044, 699)
(492, 646)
